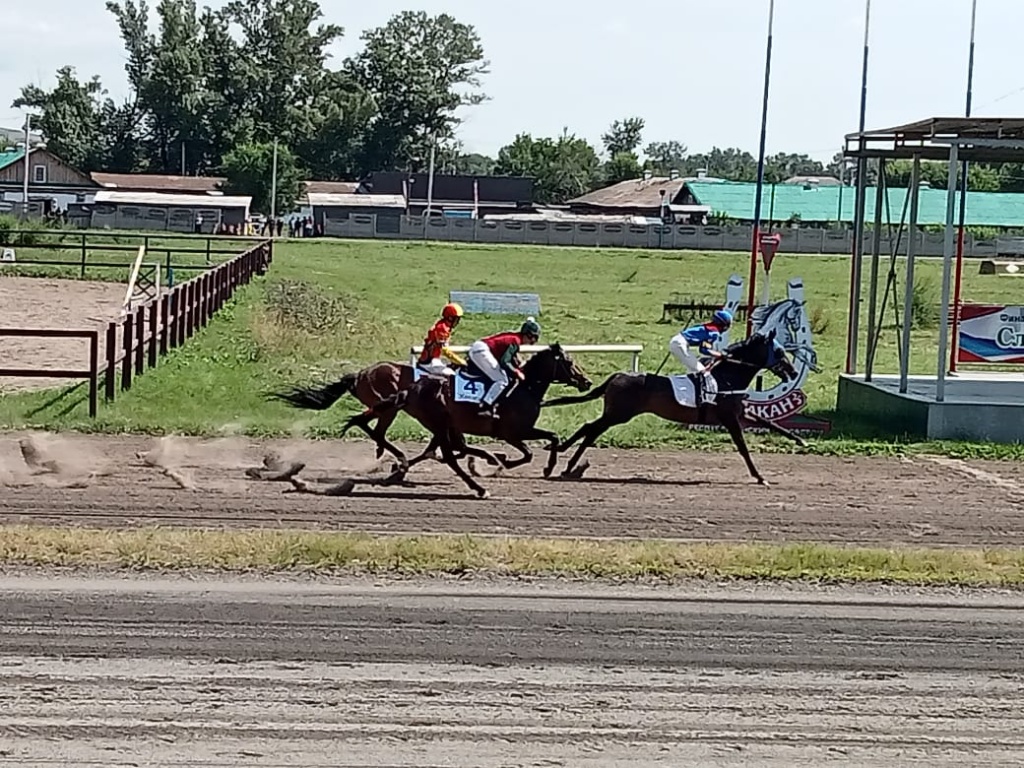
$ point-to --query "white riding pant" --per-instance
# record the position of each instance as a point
(437, 366)
(680, 349)
(483, 359)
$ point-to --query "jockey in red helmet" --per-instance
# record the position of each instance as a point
(436, 343)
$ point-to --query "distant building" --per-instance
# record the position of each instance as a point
(53, 184)
(457, 195)
(825, 204)
(165, 184)
(166, 211)
(651, 197)
(328, 207)
(814, 181)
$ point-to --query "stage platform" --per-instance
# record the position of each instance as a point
(977, 405)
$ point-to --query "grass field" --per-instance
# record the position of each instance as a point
(333, 552)
(328, 307)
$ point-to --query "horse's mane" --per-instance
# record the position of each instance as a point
(757, 336)
(549, 350)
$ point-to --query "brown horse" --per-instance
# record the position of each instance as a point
(431, 401)
(369, 386)
(627, 395)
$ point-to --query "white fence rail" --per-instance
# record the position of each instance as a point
(606, 349)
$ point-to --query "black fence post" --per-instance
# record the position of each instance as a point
(94, 373)
(127, 339)
(111, 371)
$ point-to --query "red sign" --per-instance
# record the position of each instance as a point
(769, 247)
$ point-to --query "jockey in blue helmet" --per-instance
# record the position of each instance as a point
(703, 337)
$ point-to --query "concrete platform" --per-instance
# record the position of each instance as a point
(977, 406)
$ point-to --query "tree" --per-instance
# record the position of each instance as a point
(282, 64)
(71, 118)
(623, 136)
(783, 165)
(563, 168)
(665, 156)
(622, 167)
(980, 177)
(249, 169)
(420, 70)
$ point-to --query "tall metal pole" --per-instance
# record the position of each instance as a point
(853, 329)
(273, 193)
(755, 234)
(430, 176)
(908, 288)
(881, 193)
(957, 283)
(947, 269)
(28, 148)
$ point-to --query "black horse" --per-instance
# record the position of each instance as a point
(628, 395)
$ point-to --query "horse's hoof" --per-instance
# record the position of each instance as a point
(483, 493)
(765, 483)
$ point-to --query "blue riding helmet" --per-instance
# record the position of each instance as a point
(722, 317)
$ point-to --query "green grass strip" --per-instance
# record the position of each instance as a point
(280, 550)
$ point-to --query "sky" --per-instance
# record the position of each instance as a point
(693, 69)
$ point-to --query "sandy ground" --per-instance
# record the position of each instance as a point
(33, 302)
(200, 672)
(101, 481)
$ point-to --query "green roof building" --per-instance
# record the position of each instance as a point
(821, 204)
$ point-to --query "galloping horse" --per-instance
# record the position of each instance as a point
(627, 395)
(432, 402)
(369, 386)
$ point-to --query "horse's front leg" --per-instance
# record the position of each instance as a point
(728, 417)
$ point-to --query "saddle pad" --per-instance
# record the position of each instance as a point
(469, 389)
(683, 389)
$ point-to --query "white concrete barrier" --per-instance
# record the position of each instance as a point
(608, 349)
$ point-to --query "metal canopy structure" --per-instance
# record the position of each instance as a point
(983, 139)
(955, 140)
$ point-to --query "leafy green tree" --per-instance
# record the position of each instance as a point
(783, 165)
(935, 173)
(420, 70)
(624, 136)
(563, 168)
(248, 170)
(622, 167)
(72, 117)
(665, 156)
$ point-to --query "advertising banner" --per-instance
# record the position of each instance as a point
(991, 334)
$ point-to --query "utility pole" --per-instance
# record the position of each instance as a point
(273, 193)
(28, 148)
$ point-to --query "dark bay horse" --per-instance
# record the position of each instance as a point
(627, 395)
(432, 403)
(369, 386)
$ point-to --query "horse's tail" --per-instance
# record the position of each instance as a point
(386, 407)
(318, 398)
(593, 394)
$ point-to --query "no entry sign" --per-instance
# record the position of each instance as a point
(769, 246)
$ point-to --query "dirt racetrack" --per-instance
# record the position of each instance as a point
(100, 481)
(36, 302)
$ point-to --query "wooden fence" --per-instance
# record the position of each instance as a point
(152, 329)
